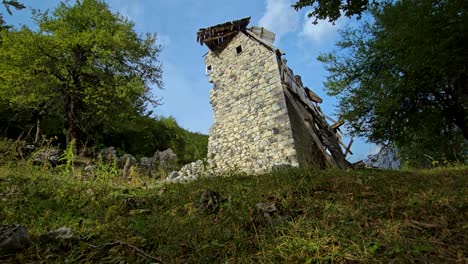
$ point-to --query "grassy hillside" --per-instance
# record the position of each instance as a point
(360, 216)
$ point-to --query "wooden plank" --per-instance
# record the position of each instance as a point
(329, 118)
(220, 36)
(309, 104)
(264, 34)
(302, 94)
(265, 43)
(348, 149)
(337, 124)
(330, 162)
(313, 96)
(327, 134)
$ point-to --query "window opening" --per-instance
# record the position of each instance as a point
(239, 49)
(209, 69)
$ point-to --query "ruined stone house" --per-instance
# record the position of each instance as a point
(263, 115)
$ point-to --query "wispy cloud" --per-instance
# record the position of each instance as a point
(280, 17)
(164, 40)
(130, 9)
(322, 32)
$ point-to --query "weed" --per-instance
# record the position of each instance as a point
(67, 158)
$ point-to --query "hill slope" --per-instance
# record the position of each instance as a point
(289, 216)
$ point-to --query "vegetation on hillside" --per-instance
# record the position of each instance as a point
(86, 75)
(84, 63)
(368, 216)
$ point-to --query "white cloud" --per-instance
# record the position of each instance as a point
(280, 17)
(321, 32)
(130, 9)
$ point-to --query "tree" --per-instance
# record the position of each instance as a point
(8, 4)
(333, 9)
(404, 77)
(84, 59)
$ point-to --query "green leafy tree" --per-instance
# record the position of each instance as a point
(85, 59)
(403, 78)
(434, 144)
(333, 9)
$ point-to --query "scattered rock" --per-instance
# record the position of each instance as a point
(162, 190)
(89, 170)
(62, 233)
(126, 158)
(109, 154)
(360, 165)
(126, 162)
(267, 208)
(164, 156)
(13, 239)
(27, 150)
(139, 211)
(50, 155)
(192, 171)
(189, 172)
(134, 203)
(146, 164)
(271, 213)
(30, 147)
(280, 167)
(88, 152)
(165, 161)
(173, 175)
(210, 201)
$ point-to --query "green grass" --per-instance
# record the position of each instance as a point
(363, 216)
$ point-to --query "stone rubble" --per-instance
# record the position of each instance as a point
(161, 160)
(109, 154)
(189, 172)
(49, 155)
(13, 239)
(210, 201)
(62, 233)
(164, 156)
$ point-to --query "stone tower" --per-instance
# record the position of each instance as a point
(263, 115)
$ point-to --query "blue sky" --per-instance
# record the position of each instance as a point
(186, 88)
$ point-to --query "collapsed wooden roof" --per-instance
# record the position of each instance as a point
(213, 36)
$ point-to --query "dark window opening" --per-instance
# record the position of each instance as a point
(239, 49)
(209, 69)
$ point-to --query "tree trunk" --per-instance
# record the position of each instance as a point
(73, 129)
(38, 131)
(37, 116)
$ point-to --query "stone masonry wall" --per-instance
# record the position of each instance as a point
(251, 131)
